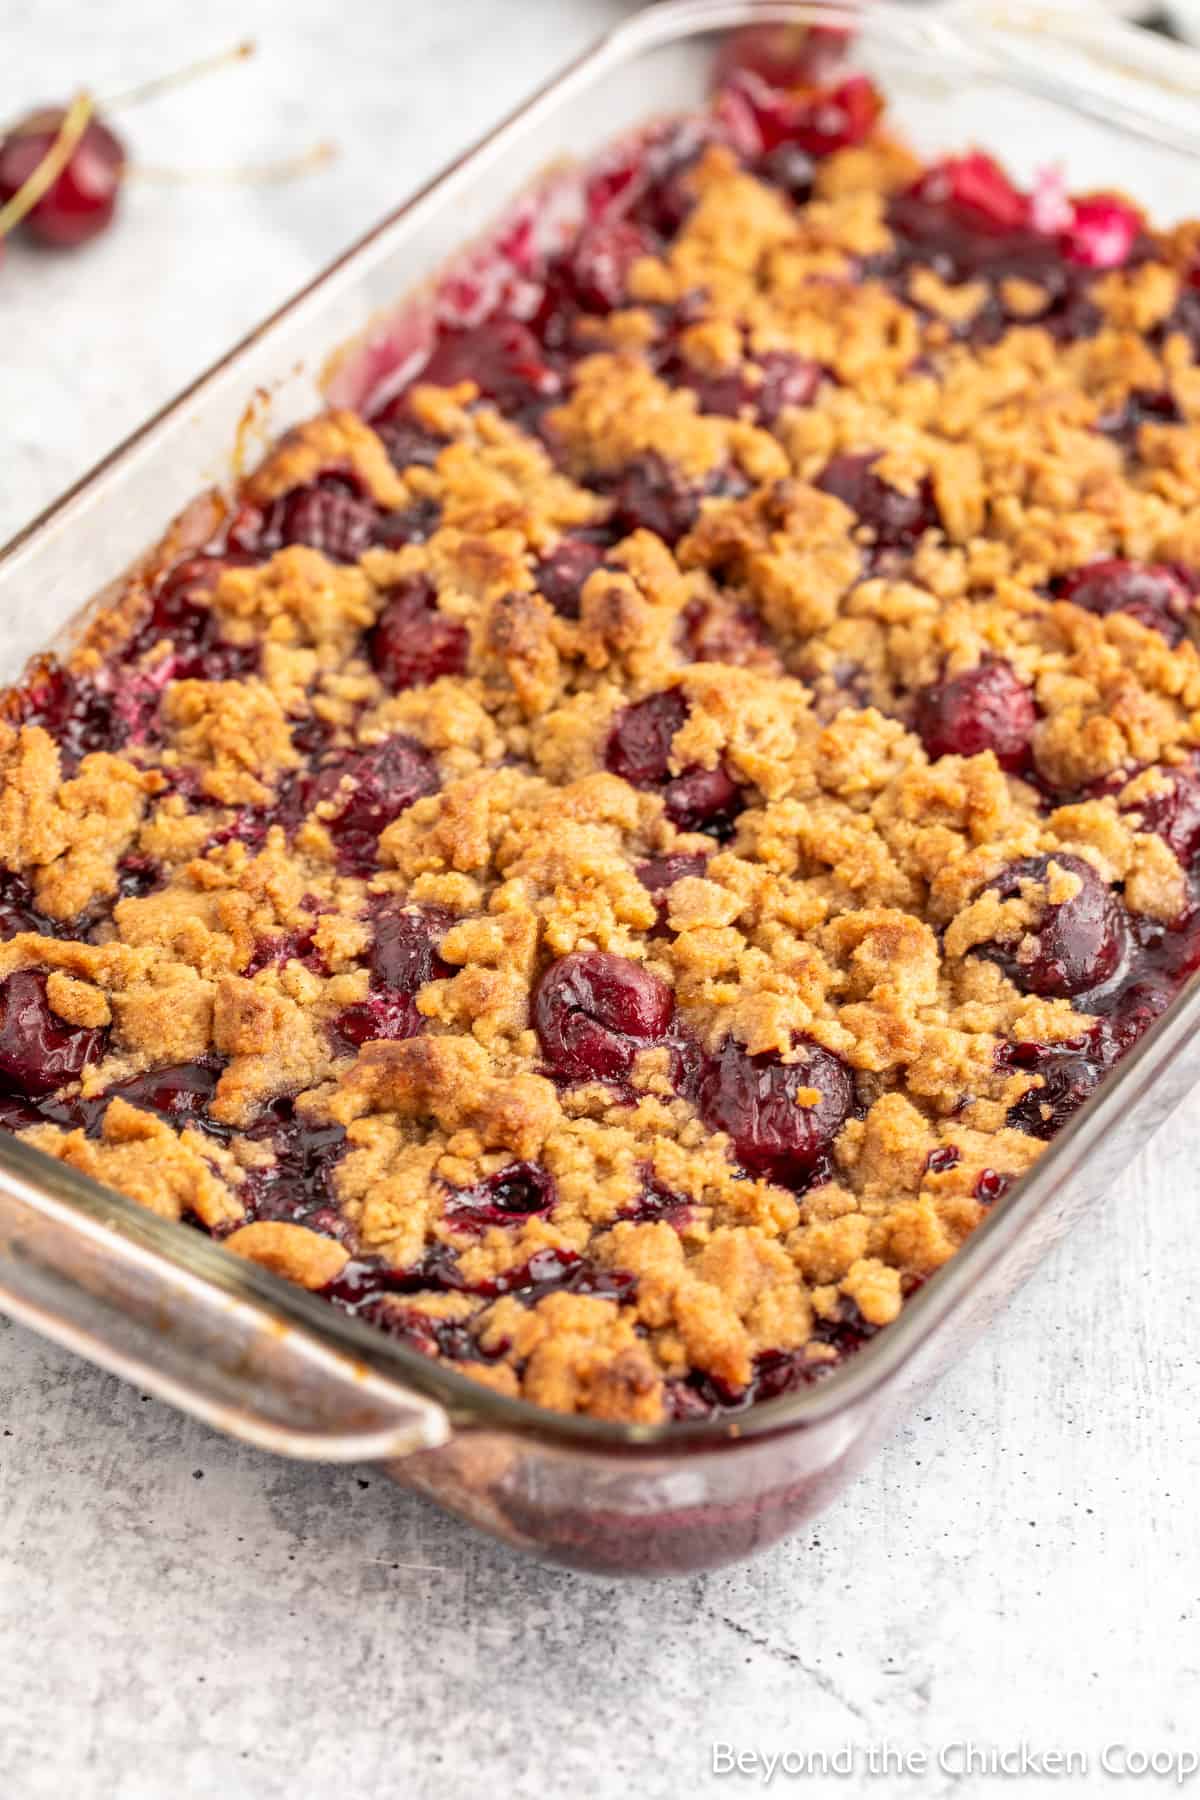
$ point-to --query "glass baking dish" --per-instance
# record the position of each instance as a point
(272, 1365)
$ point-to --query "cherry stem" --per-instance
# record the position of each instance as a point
(161, 84)
(284, 170)
(42, 178)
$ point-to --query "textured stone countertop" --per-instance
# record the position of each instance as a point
(180, 1617)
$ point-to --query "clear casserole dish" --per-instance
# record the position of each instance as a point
(236, 1346)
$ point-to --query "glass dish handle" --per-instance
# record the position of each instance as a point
(216, 1352)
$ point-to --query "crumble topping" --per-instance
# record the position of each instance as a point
(608, 866)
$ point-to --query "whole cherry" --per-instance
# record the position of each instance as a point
(81, 197)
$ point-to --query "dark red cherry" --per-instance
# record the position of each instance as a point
(368, 789)
(383, 1016)
(1174, 812)
(520, 1191)
(1076, 945)
(1141, 406)
(897, 520)
(38, 1050)
(18, 909)
(790, 169)
(651, 494)
(601, 261)
(754, 1099)
(178, 1092)
(413, 643)
(818, 120)
(784, 379)
(706, 800)
(987, 708)
(639, 750)
(502, 358)
(593, 1012)
(639, 744)
(561, 575)
(719, 632)
(329, 515)
(405, 953)
(408, 444)
(1070, 1073)
(81, 200)
(1157, 594)
(662, 872)
(978, 190)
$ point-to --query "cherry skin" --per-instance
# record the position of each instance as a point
(561, 575)
(601, 262)
(593, 1012)
(754, 1099)
(1156, 594)
(639, 751)
(79, 204)
(329, 515)
(1174, 813)
(662, 872)
(413, 643)
(897, 520)
(988, 708)
(1077, 944)
(651, 494)
(38, 1050)
(521, 1191)
(367, 790)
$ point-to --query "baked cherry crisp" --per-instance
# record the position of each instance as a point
(609, 863)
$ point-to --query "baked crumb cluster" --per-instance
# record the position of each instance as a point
(608, 866)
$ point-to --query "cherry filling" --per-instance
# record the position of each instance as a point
(651, 494)
(296, 1187)
(39, 1051)
(407, 443)
(413, 643)
(782, 1117)
(361, 792)
(593, 1013)
(987, 708)
(1142, 406)
(329, 515)
(520, 1191)
(1163, 959)
(760, 392)
(662, 872)
(1075, 945)
(817, 120)
(19, 912)
(369, 1289)
(180, 1093)
(964, 220)
(1159, 595)
(639, 751)
(896, 521)
(403, 958)
(505, 361)
(1174, 812)
(561, 575)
